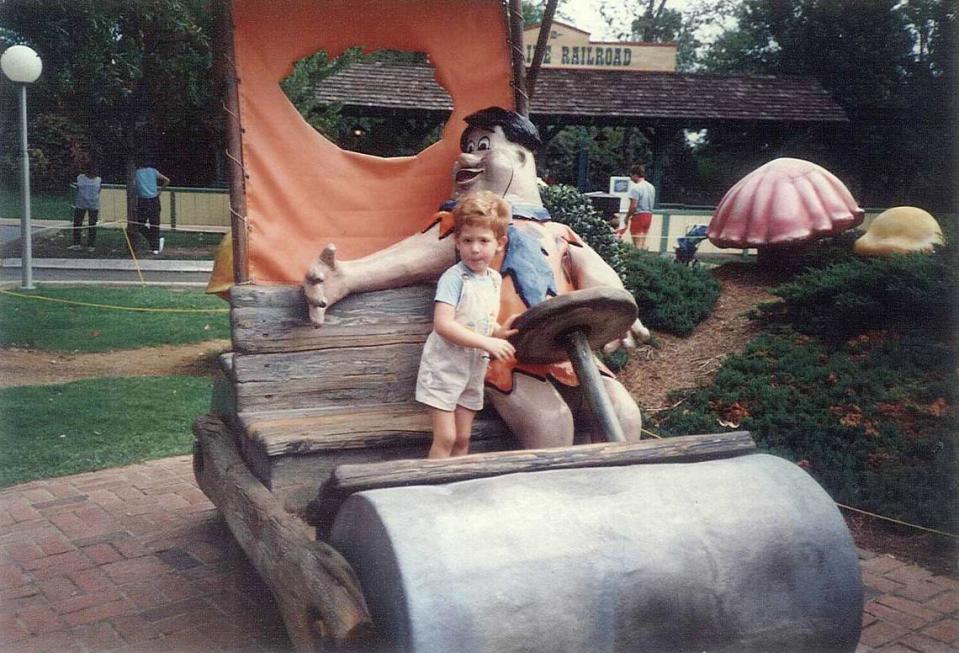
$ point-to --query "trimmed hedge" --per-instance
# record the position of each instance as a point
(855, 295)
(570, 207)
(856, 379)
(671, 297)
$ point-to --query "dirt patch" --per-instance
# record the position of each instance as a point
(112, 244)
(677, 363)
(31, 367)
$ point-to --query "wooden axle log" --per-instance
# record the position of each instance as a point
(349, 479)
(315, 588)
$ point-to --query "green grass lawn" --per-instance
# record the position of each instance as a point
(93, 424)
(111, 243)
(52, 326)
(43, 205)
(179, 245)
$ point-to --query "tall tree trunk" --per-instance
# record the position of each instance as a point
(129, 168)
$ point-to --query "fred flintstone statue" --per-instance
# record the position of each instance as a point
(541, 259)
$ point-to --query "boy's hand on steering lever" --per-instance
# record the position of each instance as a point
(324, 284)
(500, 349)
(507, 329)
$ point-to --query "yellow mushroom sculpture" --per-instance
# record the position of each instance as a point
(900, 230)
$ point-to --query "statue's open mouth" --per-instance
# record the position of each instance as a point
(464, 175)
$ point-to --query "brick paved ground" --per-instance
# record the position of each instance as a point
(134, 558)
(137, 559)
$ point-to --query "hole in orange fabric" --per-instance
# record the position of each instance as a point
(386, 103)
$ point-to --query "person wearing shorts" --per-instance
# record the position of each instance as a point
(465, 333)
(639, 215)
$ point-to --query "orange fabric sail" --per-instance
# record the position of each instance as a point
(302, 191)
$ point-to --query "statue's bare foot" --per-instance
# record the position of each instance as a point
(324, 284)
(637, 334)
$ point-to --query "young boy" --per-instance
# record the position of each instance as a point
(465, 333)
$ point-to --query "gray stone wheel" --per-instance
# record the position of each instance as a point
(601, 314)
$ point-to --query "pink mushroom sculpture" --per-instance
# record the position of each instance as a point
(781, 204)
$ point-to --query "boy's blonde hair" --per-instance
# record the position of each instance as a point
(482, 209)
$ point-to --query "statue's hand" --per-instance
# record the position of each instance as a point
(324, 284)
(637, 334)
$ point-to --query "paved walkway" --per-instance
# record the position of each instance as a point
(137, 559)
(165, 272)
(147, 265)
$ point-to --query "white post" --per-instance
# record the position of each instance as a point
(26, 236)
(22, 66)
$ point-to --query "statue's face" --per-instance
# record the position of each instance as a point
(491, 162)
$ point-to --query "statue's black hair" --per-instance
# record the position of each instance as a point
(517, 128)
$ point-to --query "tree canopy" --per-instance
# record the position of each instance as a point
(891, 65)
(121, 80)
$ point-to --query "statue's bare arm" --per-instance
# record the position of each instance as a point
(421, 258)
(589, 271)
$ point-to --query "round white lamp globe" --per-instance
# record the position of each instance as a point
(21, 64)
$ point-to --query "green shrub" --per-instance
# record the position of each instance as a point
(855, 379)
(671, 297)
(856, 295)
(829, 251)
(872, 418)
(617, 360)
(572, 208)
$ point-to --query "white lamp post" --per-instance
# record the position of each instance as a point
(22, 66)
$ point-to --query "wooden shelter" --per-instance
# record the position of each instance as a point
(596, 97)
(659, 104)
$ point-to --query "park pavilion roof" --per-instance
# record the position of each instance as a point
(607, 97)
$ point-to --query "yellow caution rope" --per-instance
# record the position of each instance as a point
(118, 308)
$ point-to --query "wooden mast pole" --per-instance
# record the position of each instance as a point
(544, 28)
(234, 137)
(515, 18)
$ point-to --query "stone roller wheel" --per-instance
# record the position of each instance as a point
(571, 326)
(740, 554)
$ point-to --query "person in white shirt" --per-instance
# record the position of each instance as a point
(639, 215)
(87, 202)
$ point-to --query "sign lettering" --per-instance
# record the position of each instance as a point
(612, 57)
(575, 50)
